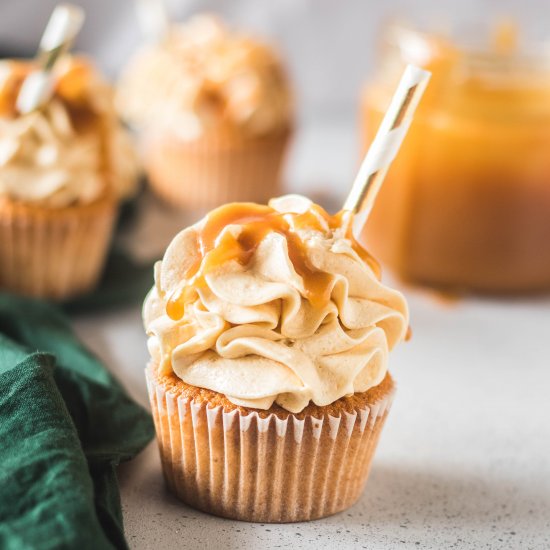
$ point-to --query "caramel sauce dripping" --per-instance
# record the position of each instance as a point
(256, 222)
(70, 89)
(10, 86)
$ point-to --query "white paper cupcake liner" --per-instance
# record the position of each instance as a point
(212, 172)
(264, 469)
(54, 253)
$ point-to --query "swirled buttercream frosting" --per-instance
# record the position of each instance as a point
(71, 149)
(204, 77)
(272, 304)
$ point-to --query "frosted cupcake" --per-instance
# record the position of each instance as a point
(269, 332)
(215, 112)
(63, 170)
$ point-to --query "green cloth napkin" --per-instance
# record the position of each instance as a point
(65, 424)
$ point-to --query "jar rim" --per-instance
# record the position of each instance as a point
(418, 46)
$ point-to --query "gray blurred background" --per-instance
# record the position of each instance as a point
(329, 47)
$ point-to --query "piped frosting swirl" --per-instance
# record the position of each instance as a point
(204, 77)
(69, 151)
(285, 315)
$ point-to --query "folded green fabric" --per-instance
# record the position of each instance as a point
(65, 423)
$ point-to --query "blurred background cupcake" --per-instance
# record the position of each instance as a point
(64, 169)
(214, 110)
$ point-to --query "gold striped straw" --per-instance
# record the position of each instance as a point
(386, 144)
(64, 24)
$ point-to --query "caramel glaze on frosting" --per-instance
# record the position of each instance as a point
(273, 304)
(71, 149)
(256, 222)
(203, 78)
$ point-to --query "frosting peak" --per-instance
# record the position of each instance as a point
(235, 231)
(41, 159)
(204, 76)
(70, 150)
(273, 304)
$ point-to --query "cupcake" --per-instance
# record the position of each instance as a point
(64, 168)
(214, 111)
(269, 332)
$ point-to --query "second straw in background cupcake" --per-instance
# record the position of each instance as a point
(214, 110)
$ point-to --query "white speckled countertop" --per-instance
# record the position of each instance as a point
(464, 461)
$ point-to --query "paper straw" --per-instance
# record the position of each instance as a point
(153, 18)
(386, 144)
(64, 24)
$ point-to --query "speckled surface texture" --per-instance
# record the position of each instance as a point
(464, 460)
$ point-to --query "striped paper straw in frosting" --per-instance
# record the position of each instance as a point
(64, 24)
(386, 144)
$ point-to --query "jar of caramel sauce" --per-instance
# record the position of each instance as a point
(466, 203)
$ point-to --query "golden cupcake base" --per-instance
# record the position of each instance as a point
(215, 170)
(265, 466)
(54, 253)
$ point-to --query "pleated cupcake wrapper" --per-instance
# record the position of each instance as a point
(268, 469)
(54, 253)
(209, 173)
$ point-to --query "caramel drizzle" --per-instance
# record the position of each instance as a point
(69, 89)
(256, 222)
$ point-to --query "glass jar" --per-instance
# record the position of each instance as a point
(466, 204)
